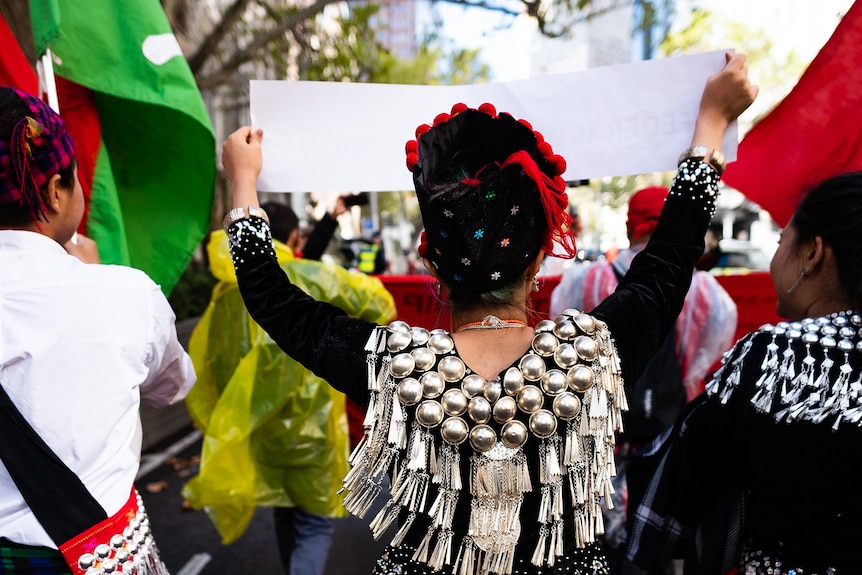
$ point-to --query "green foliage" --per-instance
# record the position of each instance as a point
(616, 191)
(350, 51)
(775, 73)
(192, 292)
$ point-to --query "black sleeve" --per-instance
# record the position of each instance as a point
(318, 335)
(319, 237)
(646, 303)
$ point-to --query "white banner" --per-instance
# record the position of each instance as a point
(613, 121)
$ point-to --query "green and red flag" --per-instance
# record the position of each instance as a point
(143, 139)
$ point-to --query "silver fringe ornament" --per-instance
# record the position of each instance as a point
(428, 411)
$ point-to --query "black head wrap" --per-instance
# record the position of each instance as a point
(491, 195)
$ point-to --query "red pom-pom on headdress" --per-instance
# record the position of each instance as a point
(488, 109)
(458, 108)
(441, 117)
(423, 246)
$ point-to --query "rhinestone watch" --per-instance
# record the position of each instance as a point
(712, 157)
(237, 214)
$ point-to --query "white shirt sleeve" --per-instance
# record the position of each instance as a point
(171, 373)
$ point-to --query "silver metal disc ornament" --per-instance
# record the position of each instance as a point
(545, 325)
(402, 365)
(505, 409)
(565, 329)
(545, 344)
(493, 390)
(566, 406)
(454, 430)
(398, 340)
(482, 438)
(513, 380)
(581, 378)
(440, 343)
(432, 384)
(429, 413)
(543, 423)
(424, 358)
(454, 401)
(514, 434)
(398, 325)
(420, 335)
(532, 366)
(479, 410)
(586, 347)
(585, 323)
(409, 391)
(554, 382)
(530, 399)
(565, 355)
(473, 385)
(452, 368)
(570, 312)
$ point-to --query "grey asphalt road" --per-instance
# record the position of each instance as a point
(190, 545)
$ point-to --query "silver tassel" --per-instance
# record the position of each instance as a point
(402, 532)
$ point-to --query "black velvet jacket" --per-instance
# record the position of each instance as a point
(638, 314)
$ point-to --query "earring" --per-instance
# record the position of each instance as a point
(535, 283)
(799, 279)
(438, 288)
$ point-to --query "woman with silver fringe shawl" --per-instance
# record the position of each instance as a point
(759, 475)
(497, 437)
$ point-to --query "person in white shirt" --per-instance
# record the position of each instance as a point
(81, 344)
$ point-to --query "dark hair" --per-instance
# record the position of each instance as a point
(833, 211)
(464, 296)
(12, 110)
(282, 220)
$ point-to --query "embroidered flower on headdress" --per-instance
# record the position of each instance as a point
(448, 213)
(495, 276)
(478, 234)
(515, 209)
(504, 242)
(465, 261)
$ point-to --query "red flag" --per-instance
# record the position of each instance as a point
(77, 107)
(813, 134)
(15, 70)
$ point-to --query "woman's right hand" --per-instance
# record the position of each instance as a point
(242, 160)
(726, 95)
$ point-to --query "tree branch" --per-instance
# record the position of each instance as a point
(208, 46)
(246, 54)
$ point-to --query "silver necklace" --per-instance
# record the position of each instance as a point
(492, 322)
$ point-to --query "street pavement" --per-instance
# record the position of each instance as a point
(190, 544)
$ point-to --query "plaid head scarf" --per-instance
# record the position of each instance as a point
(38, 148)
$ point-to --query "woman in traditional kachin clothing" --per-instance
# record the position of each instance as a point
(497, 437)
(761, 474)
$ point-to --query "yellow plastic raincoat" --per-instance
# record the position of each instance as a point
(274, 433)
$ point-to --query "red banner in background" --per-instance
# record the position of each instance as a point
(418, 303)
